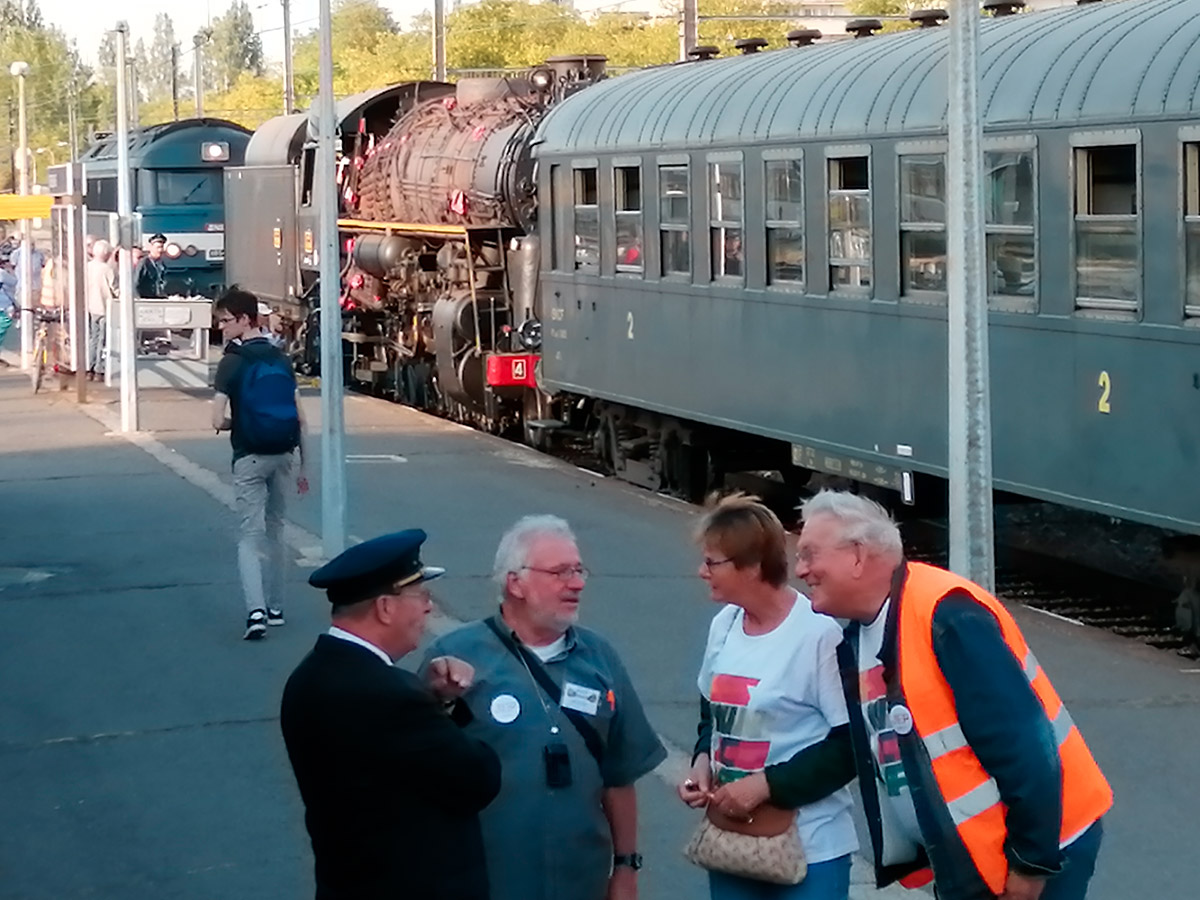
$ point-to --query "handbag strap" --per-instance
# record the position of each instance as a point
(591, 738)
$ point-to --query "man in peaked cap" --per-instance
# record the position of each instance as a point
(392, 787)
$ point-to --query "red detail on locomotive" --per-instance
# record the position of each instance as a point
(479, 132)
(458, 203)
(512, 370)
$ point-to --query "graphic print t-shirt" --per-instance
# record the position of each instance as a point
(901, 833)
(772, 695)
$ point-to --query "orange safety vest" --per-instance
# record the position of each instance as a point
(968, 792)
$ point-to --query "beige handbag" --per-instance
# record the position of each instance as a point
(765, 847)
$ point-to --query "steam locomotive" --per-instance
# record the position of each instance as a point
(739, 263)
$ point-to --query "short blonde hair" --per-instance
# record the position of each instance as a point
(749, 534)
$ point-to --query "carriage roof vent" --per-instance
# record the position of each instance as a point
(1000, 8)
(928, 18)
(803, 37)
(862, 28)
(1085, 2)
(704, 51)
(750, 45)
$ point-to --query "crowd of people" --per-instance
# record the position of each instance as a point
(506, 767)
(100, 285)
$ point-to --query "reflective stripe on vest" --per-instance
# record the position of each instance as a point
(952, 738)
(971, 797)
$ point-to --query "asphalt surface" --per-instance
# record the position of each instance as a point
(139, 746)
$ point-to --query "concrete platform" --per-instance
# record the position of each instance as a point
(139, 746)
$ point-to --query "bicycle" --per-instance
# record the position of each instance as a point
(43, 346)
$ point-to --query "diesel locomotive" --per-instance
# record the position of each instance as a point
(740, 263)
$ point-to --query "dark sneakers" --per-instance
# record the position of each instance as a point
(256, 626)
(274, 616)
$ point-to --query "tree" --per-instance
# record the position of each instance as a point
(162, 68)
(235, 47)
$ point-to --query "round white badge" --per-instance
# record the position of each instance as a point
(900, 719)
(505, 708)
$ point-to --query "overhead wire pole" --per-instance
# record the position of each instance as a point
(20, 71)
(690, 28)
(175, 82)
(198, 73)
(333, 422)
(289, 89)
(972, 552)
(439, 40)
(129, 398)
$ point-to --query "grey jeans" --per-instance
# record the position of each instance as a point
(95, 345)
(260, 485)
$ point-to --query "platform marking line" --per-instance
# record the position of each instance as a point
(375, 458)
(1053, 615)
(670, 771)
(304, 542)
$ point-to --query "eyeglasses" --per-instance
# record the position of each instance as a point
(710, 563)
(225, 320)
(563, 573)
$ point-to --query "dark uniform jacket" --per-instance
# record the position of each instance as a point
(150, 278)
(392, 787)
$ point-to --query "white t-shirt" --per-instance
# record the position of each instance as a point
(901, 833)
(772, 695)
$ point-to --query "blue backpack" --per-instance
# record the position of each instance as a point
(267, 421)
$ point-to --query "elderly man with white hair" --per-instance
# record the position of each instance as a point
(100, 290)
(968, 761)
(554, 701)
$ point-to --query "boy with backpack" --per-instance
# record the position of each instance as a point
(256, 401)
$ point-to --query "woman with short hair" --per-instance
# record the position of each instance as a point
(773, 730)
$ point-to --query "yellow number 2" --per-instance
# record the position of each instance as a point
(1106, 388)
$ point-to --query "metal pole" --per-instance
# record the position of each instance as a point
(439, 40)
(129, 397)
(20, 70)
(114, 241)
(72, 126)
(175, 82)
(970, 450)
(289, 90)
(75, 253)
(134, 97)
(198, 74)
(689, 35)
(333, 423)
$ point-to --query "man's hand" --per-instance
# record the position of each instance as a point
(696, 788)
(1023, 887)
(622, 885)
(449, 677)
(740, 798)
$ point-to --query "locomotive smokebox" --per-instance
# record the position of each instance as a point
(380, 254)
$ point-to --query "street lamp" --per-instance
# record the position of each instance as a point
(20, 70)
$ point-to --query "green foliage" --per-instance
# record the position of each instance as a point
(160, 65)
(235, 47)
(56, 77)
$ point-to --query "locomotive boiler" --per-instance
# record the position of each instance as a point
(439, 267)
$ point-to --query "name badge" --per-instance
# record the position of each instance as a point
(580, 699)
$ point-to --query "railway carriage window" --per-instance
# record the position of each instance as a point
(725, 219)
(784, 179)
(849, 223)
(1106, 228)
(628, 191)
(587, 220)
(922, 224)
(188, 188)
(674, 216)
(308, 168)
(102, 194)
(1191, 227)
(1009, 221)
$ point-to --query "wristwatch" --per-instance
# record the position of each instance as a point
(633, 860)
